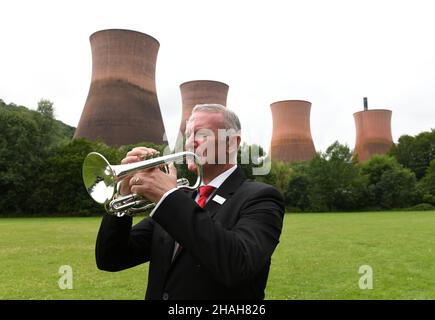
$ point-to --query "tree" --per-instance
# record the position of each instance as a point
(335, 183)
(389, 184)
(45, 107)
(297, 195)
(416, 152)
(397, 188)
(45, 120)
(250, 157)
(42, 175)
(61, 189)
(426, 185)
(376, 166)
(20, 159)
(279, 176)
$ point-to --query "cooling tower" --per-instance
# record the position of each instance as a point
(291, 135)
(373, 133)
(122, 105)
(199, 92)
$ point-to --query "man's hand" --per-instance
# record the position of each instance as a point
(151, 183)
(154, 183)
(135, 155)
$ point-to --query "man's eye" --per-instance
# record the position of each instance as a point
(201, 136)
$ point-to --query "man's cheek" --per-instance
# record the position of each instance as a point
(206, 151)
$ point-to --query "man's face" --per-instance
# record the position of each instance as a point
(202, 136)
(207, 137)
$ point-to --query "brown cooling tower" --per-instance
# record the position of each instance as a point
(122, 105)
(373, 133)
(291, 136)
(199, 92)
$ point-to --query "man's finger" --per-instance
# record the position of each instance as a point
(129, 159)
(141, 152)
(172, 170)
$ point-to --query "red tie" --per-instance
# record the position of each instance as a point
(204, 192)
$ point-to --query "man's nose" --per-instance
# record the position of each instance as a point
(191, 143)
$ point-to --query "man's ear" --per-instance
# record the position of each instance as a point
(233, 143)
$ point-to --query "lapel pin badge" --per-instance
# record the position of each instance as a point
(217, 198)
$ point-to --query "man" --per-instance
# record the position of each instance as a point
(200, 246)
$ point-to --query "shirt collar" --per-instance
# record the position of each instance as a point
(217, 181)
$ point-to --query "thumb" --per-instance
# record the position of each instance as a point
(172, 170)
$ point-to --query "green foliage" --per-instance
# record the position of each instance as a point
(41, 167)
(396, 188)
(55, 131)
(426, 186)
(40, 170)
(421, 207)
(21, 156)
(415, 153)
(25, 143)
(62, 190)
(330, 181)
(376, 166)
(389, 184)
(297, 193)
(45, 107)
(250, 157)
(335, 183)
(279, 176)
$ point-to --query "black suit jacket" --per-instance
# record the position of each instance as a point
(226, 248)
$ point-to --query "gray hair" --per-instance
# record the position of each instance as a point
(231, 120)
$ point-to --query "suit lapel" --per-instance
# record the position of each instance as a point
(226, 190)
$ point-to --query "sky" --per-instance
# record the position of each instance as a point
(331, 53)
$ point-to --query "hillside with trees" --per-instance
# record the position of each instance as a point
(40, 170)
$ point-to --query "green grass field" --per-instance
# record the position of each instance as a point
(318, 258)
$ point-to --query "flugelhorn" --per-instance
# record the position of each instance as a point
(102, 181)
